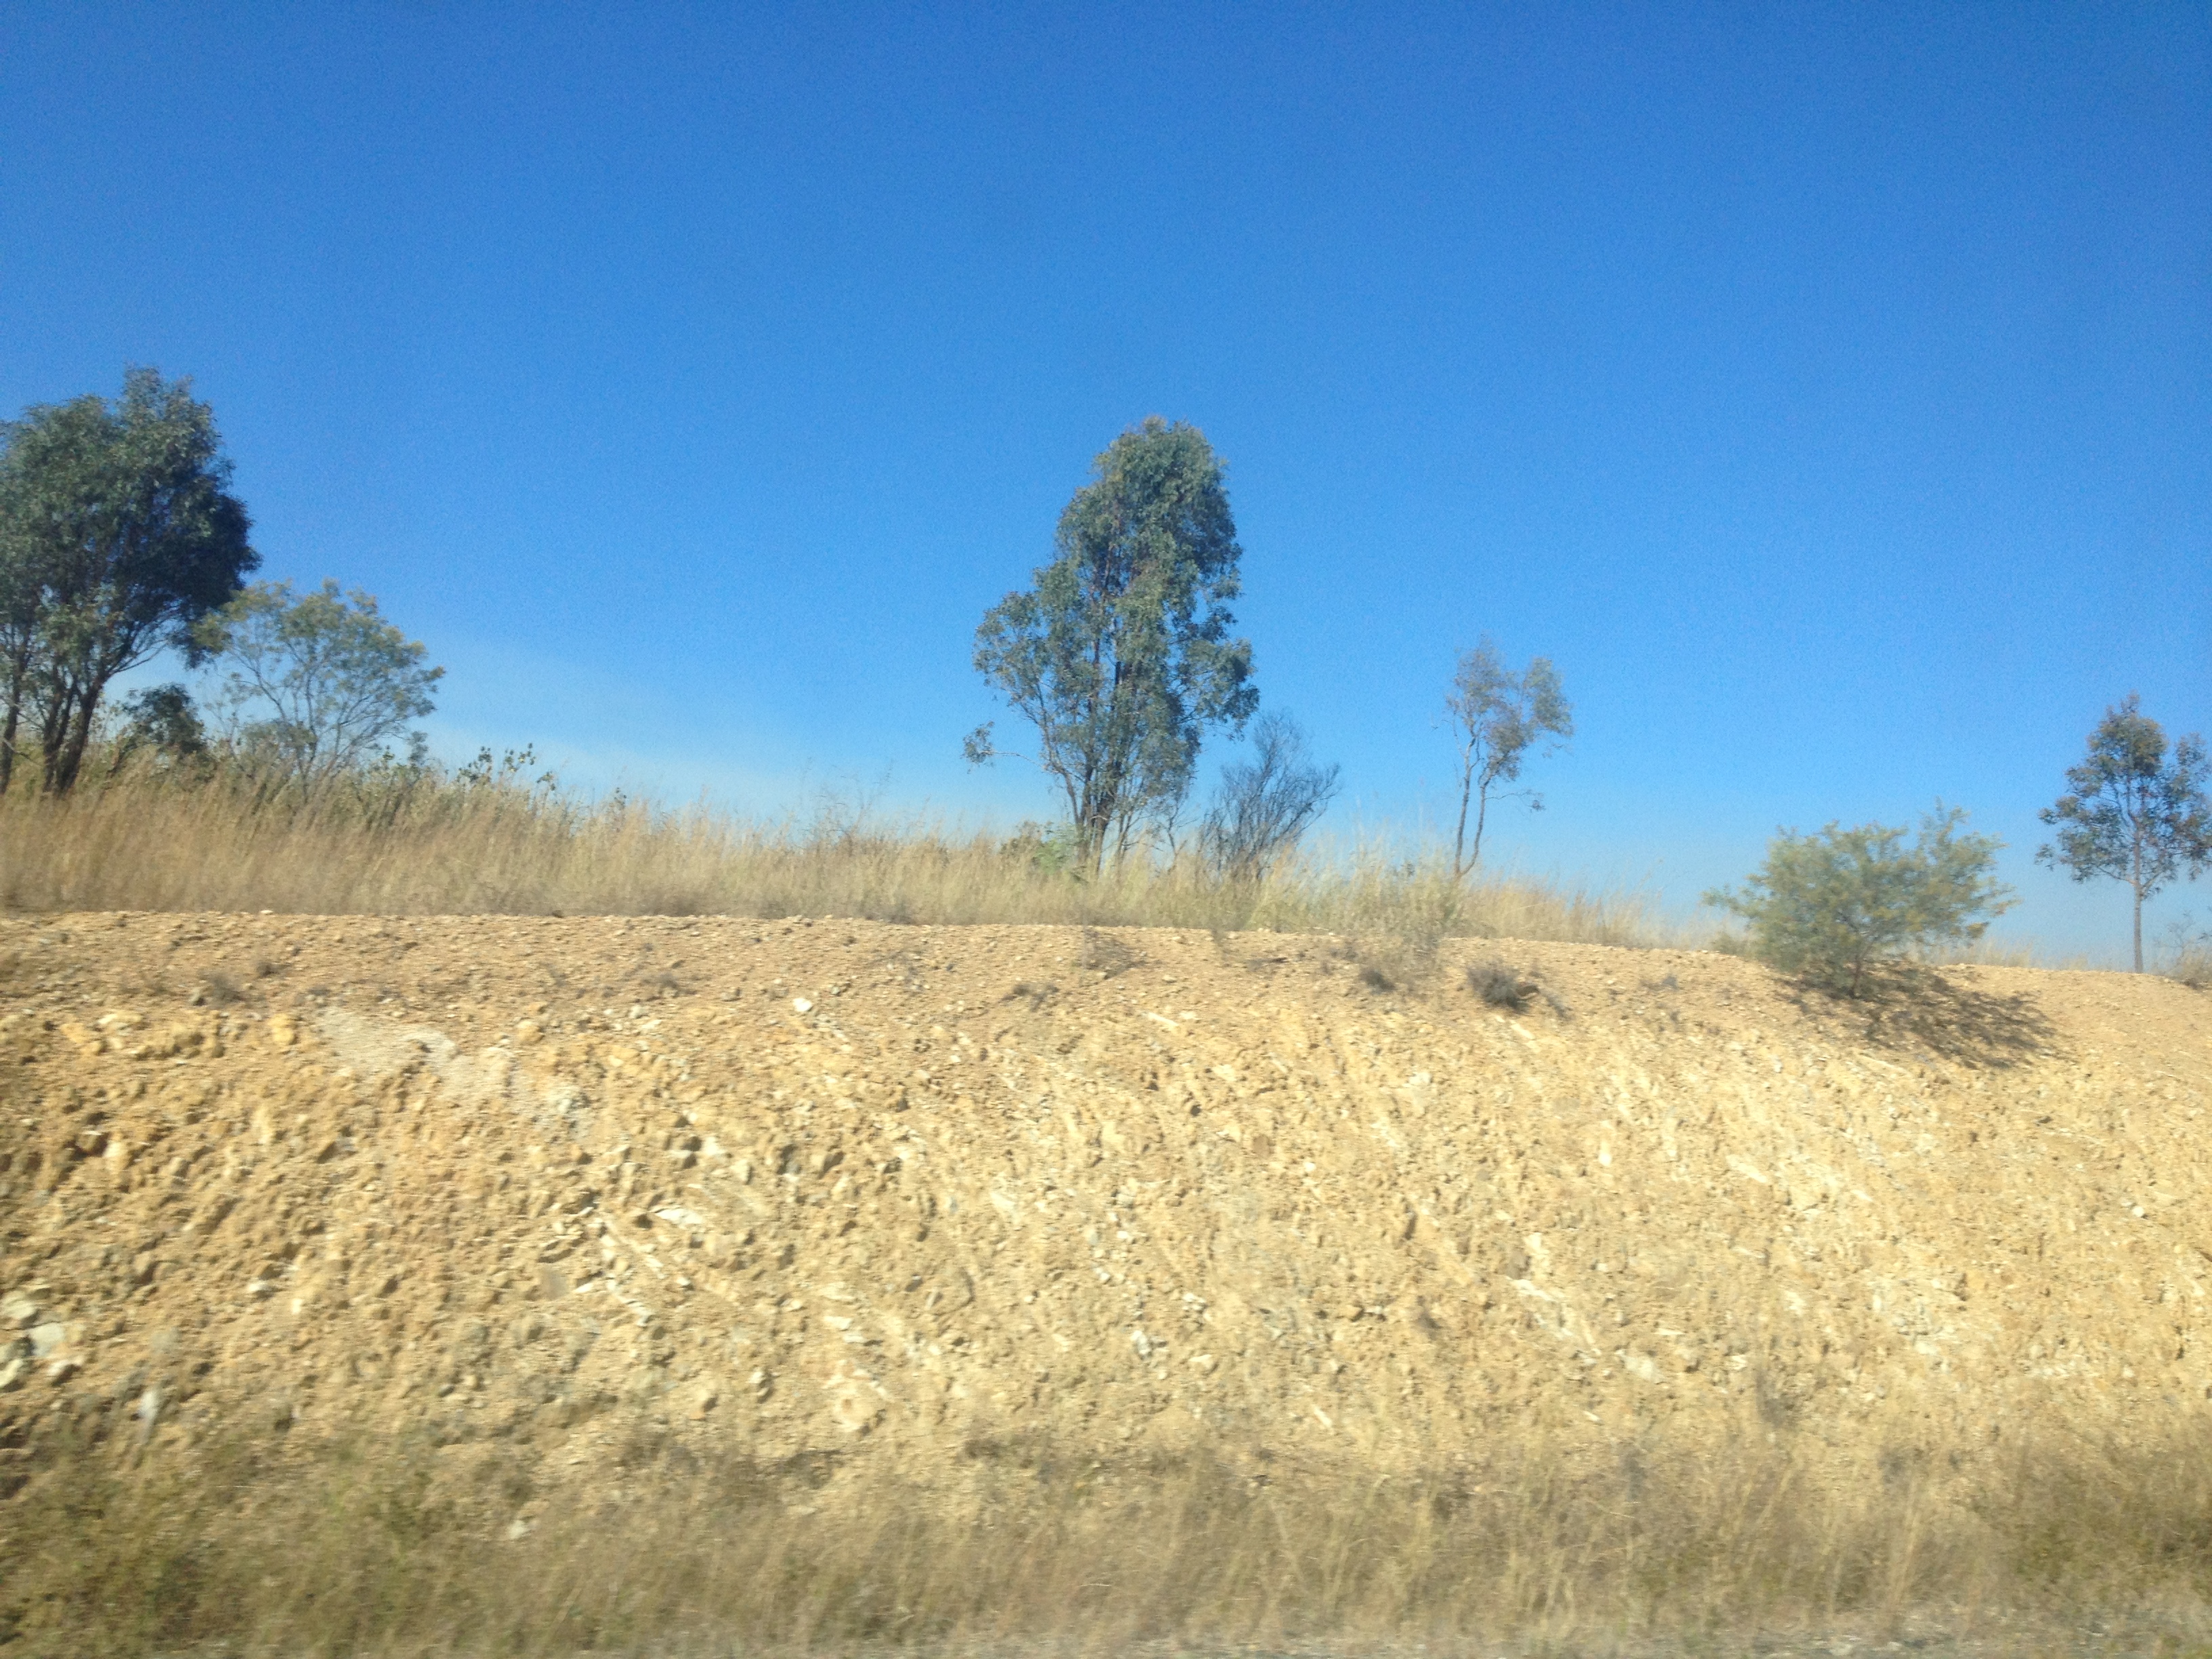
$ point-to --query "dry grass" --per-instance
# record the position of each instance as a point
(438, 845)
(2187, 958)
(2006, 953)
(343, 1553)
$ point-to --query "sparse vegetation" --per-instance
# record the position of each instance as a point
(1500, 986)
(391, 838)
(2132, 812)
(1265, 804)
(1497, 717)
(356, 1549)
(1833, 906)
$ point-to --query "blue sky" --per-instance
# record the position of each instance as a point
(1826, 390)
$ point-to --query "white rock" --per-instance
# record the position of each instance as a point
(45, 1339)
(17, 1310)
(801, 1005)
(677, 1217)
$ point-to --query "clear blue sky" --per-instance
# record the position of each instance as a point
(1826, 390)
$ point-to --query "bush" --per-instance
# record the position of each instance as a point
(1266, 804)
(1830, 907)
(1499, 986)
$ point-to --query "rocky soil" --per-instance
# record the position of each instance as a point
(859, 1199)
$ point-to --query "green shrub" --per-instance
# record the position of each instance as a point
(1831, 905)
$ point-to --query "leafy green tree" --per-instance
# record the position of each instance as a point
(1830, 907)
(1496, 717)
(1267, 803)
(2131, 811)
(161, 719)
(1120, 654)
(118, 534)
(318, 682)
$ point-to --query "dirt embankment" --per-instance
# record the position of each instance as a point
(859, 1199)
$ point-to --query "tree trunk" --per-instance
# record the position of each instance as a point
(2136, 882)
(53, 731)
(19, 673)
(1481, 822)
(1460, 866)
(79, 734)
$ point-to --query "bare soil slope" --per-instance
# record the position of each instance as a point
(857, 1200)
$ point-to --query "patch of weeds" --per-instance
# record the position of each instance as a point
(2188, 956)
(1499, 986)
(218, 990)
(1104, 955)
(1392, 961)
(662, 984)
(1035, 992)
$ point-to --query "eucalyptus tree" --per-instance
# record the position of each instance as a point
(118, 534)
(1497, 716)
(316, 682)
(2132, 810)
(1120, 654)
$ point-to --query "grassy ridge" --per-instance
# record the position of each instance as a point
(2060, 1545)
(441, 842)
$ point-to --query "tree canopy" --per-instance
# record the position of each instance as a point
(318, 682)
(1267, 803)
(1830, 907)
(118, 534)
(1120, 654)
(1497, 716)
(2131, 812)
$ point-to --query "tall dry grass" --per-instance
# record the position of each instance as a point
(2070, 1545)
(445, 843)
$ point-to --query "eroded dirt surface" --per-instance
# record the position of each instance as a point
(854, 1196)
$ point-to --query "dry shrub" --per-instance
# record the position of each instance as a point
(366, 1549)
(1499, 986)
(2190, 962)
(436, 843)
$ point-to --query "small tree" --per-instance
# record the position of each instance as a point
(1120, 655)
(318, 682)
(2130, 813)
(118, 534)
(1497, 716)
(1830, 907)
(161, 719)
(1267, 803)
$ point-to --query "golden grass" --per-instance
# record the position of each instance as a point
(439, 845)
(372, 1552)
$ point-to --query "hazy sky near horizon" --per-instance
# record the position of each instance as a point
(1826, 390)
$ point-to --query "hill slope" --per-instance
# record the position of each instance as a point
(860, 1203)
